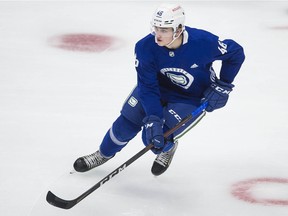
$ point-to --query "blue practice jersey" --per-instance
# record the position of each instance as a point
(183, 74)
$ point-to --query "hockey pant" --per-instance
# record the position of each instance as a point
(129, 123)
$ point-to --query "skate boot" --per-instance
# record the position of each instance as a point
(163, 160)
(89, 162)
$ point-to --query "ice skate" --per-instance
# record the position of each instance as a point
(89, 162)
(163, 161)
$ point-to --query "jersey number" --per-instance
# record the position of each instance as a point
(222, 47)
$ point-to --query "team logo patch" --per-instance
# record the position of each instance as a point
(132, 101)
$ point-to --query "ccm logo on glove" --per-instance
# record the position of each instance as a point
(148, 125)
(219, 89)
(154, 132)
(217, 95)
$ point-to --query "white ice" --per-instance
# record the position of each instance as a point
(56, 105)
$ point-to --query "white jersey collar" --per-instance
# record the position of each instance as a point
(185, 37)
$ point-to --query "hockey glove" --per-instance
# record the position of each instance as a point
(217, 95)
(153, 126)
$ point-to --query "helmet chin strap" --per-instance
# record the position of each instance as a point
(174, 38)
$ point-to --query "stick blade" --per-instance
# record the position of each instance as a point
(58, 202)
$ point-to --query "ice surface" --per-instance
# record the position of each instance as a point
(56, 105)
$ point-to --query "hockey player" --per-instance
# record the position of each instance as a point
(174, 76)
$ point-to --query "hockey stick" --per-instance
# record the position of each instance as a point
(67, 204)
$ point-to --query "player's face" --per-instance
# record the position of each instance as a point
(163, 36)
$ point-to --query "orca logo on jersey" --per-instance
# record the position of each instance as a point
(178, 76)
